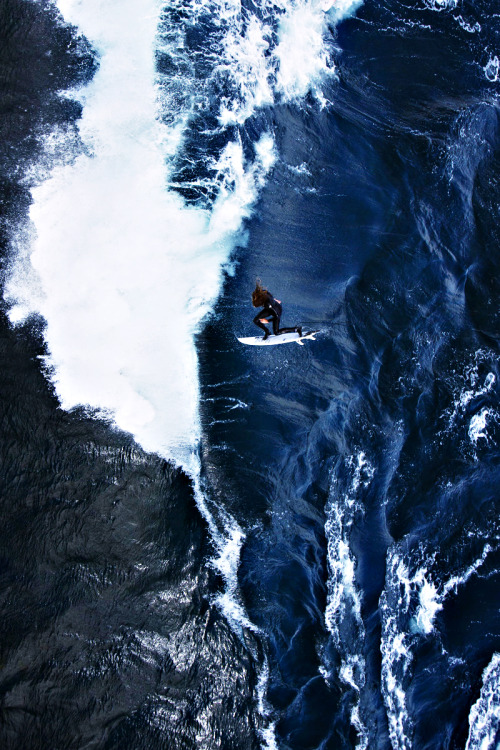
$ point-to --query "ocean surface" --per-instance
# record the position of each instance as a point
(205, 545)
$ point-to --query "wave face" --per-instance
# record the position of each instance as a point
(130, 233)
(346, 593)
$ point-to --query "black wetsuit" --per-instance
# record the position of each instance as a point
(272, 311)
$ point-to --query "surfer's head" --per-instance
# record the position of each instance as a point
(259, 294)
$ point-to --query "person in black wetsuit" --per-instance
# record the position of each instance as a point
(272, 310)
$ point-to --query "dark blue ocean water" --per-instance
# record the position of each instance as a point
(362, 468)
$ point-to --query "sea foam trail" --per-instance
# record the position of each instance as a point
(343, 606)
(407, 592)
(484, 718)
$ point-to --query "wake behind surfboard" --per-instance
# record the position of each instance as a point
(282, 338)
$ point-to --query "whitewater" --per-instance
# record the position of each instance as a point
(121, 268)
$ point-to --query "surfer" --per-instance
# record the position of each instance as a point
(272, 310)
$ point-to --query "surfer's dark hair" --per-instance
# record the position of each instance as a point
(259, 294)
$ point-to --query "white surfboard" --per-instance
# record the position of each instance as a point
(281, 338)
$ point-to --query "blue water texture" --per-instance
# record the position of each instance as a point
(356, 467)
(363, 468)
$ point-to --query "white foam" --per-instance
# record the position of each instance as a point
(343, 606)
(467, 26)
(227, 537)
(400, 630)
(284, 57)
(304, 51)
(343, 597)
(268, 732)
(466, 396)
(484, 717)
(477, 426)
(471, 386)
(429, 606)
(352, 673)
(339, 9)
(431, 596)
(492, 69)
(441, 5)
(302, 170)
(268, 736)
(246, 61)
(227, 562)
(455, 581)
(301, 53)
(395, 648)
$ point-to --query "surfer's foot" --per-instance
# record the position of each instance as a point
(299, 330)
(265, 336)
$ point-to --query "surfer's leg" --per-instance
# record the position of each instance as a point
(257, 320)
(295, 329)
(276, 315)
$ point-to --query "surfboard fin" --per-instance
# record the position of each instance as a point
(300, 343)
